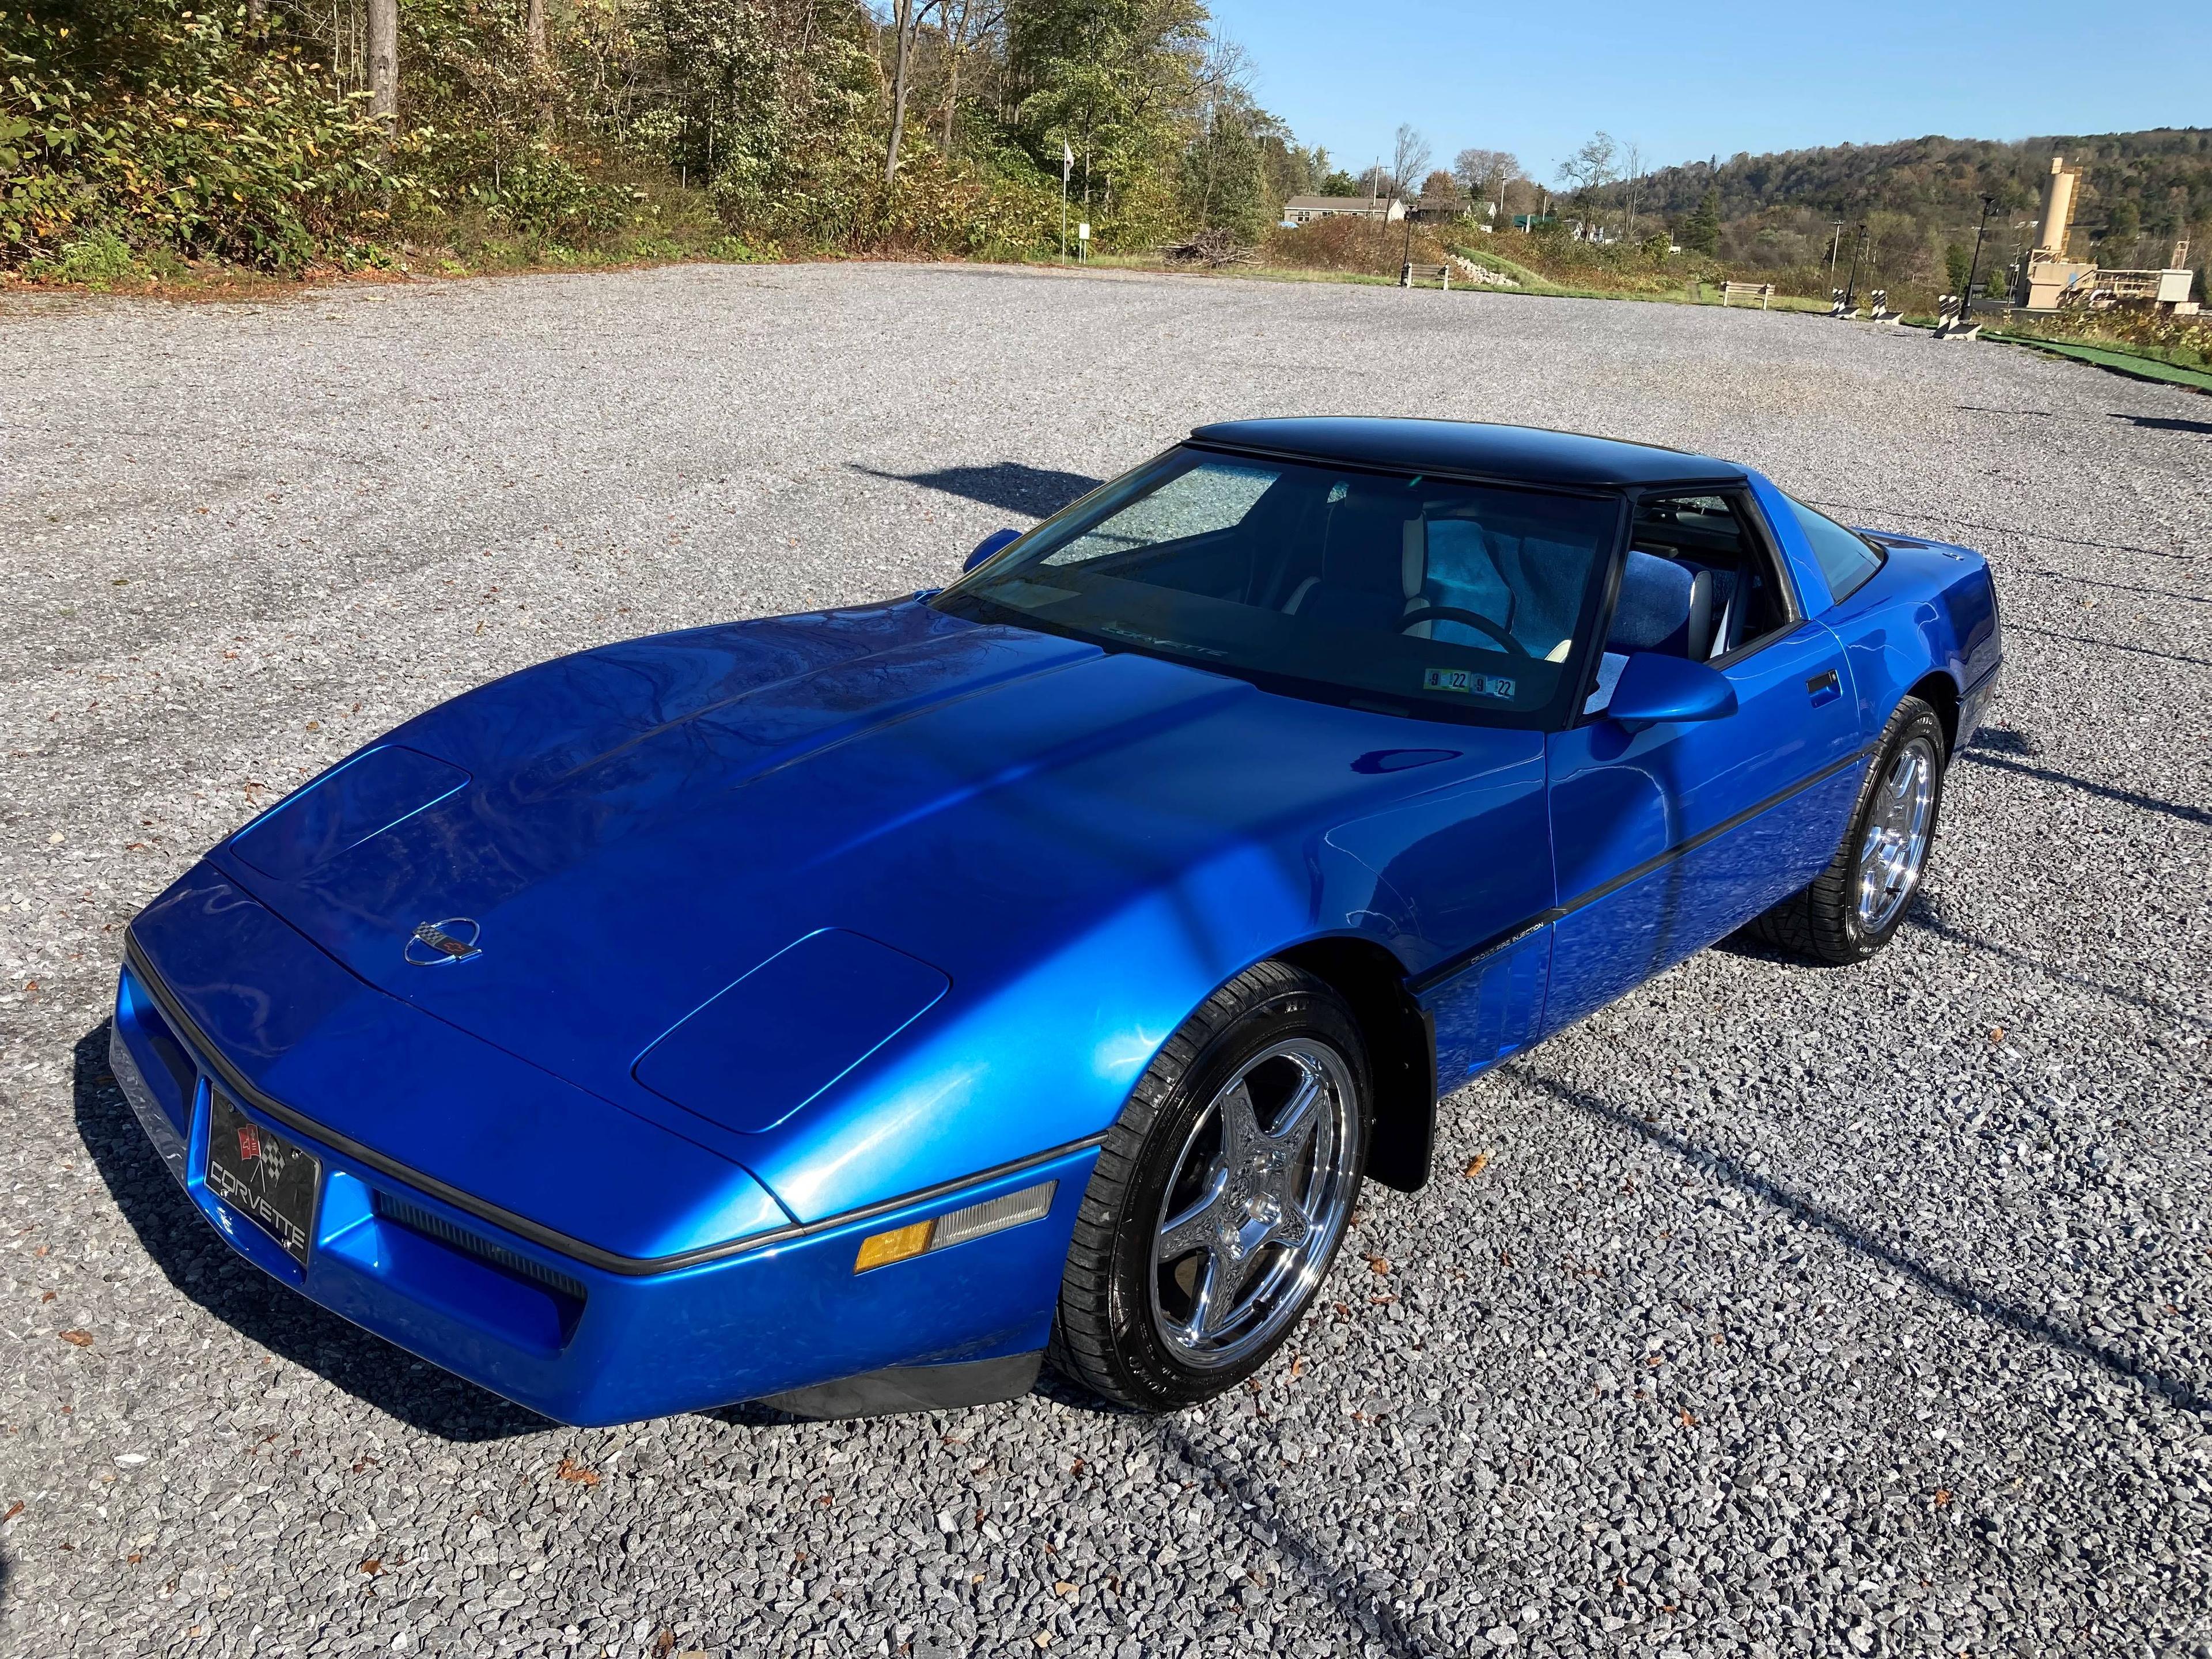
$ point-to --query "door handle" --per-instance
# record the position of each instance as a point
(1826, 687)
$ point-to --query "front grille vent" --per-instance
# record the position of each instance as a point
(420, 1220)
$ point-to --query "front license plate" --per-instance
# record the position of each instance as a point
(263, 1177)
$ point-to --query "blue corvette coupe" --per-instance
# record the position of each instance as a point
(849, 1009)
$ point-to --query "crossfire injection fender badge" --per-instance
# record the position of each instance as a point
(435, 943)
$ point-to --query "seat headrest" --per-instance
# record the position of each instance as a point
(1366, 545)
(1653, 612)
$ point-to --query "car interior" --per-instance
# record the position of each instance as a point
(1698, 583)
(1448, 562)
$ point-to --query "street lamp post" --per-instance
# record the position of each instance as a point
(1851, 285)
(1973, 265)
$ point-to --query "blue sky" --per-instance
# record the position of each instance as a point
(1688, 78)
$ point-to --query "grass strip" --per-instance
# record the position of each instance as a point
(2108, 357)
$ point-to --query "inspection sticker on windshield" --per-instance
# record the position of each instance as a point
(1467, 682)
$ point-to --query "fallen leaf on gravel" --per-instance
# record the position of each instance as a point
(1477, 1164)
(1062, 1587)
(77, 1338)
(664, 1642)
(48, 1297)
(13, 1510)
(1942, 1497)
(572, 1470)
(372, 1567)
(1996, 1034)
(1298, 1366)
(1687, 1421)
(1378, 1264)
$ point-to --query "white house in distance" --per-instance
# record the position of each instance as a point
(1302, 210)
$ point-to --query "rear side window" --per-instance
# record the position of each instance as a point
(1847, 560)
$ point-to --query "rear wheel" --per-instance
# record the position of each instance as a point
(1220, 1197)
(1856, 904)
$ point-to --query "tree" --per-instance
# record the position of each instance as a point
(1701, 231)
(1338, 182)
(1226, 179)
(964, 25)
(1485, 173)
(384, 61)
(1589, 170)
(1409, 155)
(1955, 263)
(1439, 185)
(1115, 80)
(906, 17)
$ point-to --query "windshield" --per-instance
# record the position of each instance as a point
(1420, 595)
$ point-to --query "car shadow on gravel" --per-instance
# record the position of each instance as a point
(196, 1261)
(1806, 1212)
(1361, 1599)
(1010, 486)
(2165, 424)
(2001, 756)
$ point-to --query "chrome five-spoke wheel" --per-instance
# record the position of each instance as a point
(1895, 844)
(1255, 1204)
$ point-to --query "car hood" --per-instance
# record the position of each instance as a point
(849, 823)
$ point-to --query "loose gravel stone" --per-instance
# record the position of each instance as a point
(1786, 1309)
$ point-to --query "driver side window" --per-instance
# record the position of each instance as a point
(1698, 582)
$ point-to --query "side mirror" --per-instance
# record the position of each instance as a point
(990, 545)
(1655, 688)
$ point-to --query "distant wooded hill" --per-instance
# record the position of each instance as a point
(2141, 190)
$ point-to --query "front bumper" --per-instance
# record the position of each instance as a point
(576, 1341)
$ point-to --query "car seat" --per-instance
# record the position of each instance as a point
(1362, 580)
(1662, 606)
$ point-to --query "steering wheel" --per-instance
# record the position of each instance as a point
(1453, 613)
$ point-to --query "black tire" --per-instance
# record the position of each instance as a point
(1105, 1336)
(1823, 922)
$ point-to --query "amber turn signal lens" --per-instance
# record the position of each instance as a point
(881, 1249)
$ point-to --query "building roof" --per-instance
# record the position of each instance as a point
(1339, 204)
(1471, 448)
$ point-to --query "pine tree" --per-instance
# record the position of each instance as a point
(1701, 231)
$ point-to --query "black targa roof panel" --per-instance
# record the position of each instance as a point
(1472, 448)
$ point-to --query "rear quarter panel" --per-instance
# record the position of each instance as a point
(1932, 607)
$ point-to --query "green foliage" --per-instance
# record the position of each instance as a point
(1113, 80)
(1956, 264)
(135, 135)
(166, 127)
(1701, 231)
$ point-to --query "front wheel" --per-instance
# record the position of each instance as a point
(1220, 1196)
(1856, 904)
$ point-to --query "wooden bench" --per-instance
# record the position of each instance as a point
(1761, 292)
(1409, 275)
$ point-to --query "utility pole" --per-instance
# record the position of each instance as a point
(1835, 247)
(1066, 171)
(1966, 300)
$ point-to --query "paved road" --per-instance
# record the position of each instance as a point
(1792, 1311)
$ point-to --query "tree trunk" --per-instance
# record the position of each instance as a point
(903, 23)
(951, 97)
(536, 29)
(384, 62)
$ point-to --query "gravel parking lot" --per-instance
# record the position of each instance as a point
(1775, 1311)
